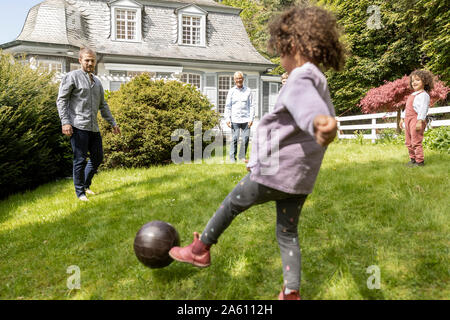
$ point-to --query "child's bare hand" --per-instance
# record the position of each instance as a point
(419, 125)
(325, 128)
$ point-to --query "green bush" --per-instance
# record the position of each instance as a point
(33, 150)
(148, 112)
(390, 136)
(437, 139)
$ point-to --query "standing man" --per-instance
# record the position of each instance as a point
(284, 78)
(239, 115)
(80, 98)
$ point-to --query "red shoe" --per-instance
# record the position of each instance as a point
(294, 295)
(201, 258)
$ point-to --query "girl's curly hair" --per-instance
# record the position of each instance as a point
(426, 77)
(312, 31)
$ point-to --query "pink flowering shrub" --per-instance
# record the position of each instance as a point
(392, 96)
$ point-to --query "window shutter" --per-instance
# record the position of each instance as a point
(252, 83)
(211, 87)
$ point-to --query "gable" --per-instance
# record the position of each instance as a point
(126, 3)
(192, 9)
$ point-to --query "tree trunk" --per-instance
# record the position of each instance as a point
(399, 113)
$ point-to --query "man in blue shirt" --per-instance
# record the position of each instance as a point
(80, 98)
(239, 115)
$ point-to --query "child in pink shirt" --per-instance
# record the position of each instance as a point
(290, 141)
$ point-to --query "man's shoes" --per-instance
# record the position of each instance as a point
(83, 198)
(89, 191)
(197, 253)
(411, 163)
(419, 164)
(293, 295)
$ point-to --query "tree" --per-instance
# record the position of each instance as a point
(392, 96)
(33, 150)
(256, 16)
(411, 34)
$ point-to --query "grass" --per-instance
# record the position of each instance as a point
(367, 209)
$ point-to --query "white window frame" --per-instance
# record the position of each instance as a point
(192, 11)
(220, 108)
(51, 63)
(119, 77)
(193, 74)
(117, 82)
(274, 88)
(193, 40)
(75, 66)
(127, 6)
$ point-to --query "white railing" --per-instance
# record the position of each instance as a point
(122, 78)
(374, 126)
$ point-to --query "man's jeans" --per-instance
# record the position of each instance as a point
(235, 130)
(84, 142)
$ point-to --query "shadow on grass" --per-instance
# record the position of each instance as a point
(99, 238)
(23, 198)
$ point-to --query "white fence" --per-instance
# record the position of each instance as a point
(374, 126)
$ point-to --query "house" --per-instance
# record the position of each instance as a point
(200, 42)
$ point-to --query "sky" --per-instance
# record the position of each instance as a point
(12, 17)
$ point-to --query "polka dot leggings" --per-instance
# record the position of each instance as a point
(248, 193)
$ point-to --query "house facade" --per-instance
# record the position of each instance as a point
(200, 42)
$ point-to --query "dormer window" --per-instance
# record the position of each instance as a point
(191, 30)
(191, 26)
(126, 25)
(126, 21)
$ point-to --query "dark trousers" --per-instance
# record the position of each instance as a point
(236, 130)
(84, 144)
(248, 193)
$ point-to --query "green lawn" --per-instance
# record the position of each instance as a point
(367, 209)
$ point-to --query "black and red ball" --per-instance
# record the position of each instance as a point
(153, 243)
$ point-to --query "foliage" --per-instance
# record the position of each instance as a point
(33, 150)
(411, 36)
(435, 138)
(392, 96)
(431, 21)
(256, 16)
(438, 139)
(390, 136)
(148, 113)
(359, 136)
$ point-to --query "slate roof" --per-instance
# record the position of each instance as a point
(88, 23)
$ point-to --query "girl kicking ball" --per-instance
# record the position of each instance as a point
(300, 127)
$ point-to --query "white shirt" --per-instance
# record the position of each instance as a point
(239, 105)
(420, 105)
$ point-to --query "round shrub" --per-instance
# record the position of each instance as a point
(33, 150)
(148, 112)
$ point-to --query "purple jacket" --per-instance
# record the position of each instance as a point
(285, 155)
